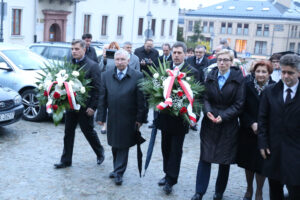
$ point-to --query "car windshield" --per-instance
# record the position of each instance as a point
(25, 59)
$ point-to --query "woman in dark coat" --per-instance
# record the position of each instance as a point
(248, 153)
(223, 102)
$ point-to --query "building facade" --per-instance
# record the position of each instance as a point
(27, 21)
(256, 28)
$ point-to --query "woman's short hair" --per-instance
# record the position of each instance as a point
(226, 52)
(265, 63)
(112, 44)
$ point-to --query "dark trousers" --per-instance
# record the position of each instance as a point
(276, 190)
(203, 175)
(86, 124)
(171, 146)
(120, 160)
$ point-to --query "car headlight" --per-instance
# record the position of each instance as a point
(18, 100)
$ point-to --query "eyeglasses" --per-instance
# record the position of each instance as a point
(224, 60)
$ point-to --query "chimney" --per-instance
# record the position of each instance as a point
(286, 3)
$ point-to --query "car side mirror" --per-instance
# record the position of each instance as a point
(4, 66)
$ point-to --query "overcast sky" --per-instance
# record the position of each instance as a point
(193, 4)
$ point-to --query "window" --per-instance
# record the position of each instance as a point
(104, 25)
(205, 27)
(292, 46)
(240, 45)
(229, 28)
(260, 47)
(140, 28)
(246, 29)
(190, 26)
(162, 30)
(86, 25)
(298, 48)
(153, 23)
(293, 33)
(16, 22)
(223, 28)
(211, 27)
(119, 26)
(239, 29)
(259, 30)
(171, 28)
(266, 30)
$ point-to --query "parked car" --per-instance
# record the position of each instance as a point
(11, 108)
(54, 51)
(19, 70)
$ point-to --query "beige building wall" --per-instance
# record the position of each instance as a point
(280, 38)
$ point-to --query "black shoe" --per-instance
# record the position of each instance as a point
(218, 196)
(118, 180)
(112, 175)
(162, 182)
(151, 126)
(167, 188)
(197, 196)
(194, 128)
(103, 131)
(100, 159)
(62, 165)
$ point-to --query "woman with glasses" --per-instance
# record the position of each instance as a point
(223, 101)
(249, 156)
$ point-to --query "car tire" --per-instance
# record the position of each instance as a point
(33, 111)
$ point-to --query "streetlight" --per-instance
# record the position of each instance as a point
(1, 27)
(149, 18)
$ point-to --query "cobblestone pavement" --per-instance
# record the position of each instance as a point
(28, 151)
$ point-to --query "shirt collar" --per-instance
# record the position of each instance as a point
(179, 66)
(226, 75)
(293, 88)
(77, 61)
(124, 71)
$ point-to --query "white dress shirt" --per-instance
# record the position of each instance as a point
(293, 88)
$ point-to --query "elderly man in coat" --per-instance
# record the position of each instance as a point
(120, 95)
(279, 131)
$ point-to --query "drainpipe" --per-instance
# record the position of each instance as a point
(1, 27)
(35, 21)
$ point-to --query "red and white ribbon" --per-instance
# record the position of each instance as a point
(168, 85)
(70, 95)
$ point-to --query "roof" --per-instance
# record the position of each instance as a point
(6, 46)
(257, 9)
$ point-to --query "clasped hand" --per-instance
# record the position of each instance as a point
(214, 119)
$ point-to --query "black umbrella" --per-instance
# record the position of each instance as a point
(150, 148)
(139, 140)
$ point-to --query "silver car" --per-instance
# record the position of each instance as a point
(19, 68)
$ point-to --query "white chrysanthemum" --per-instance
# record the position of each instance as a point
(62, 72)
(82, 90)
(71, 82)
(156, 75)
(188, 78)
(40, 86)
(75, 73)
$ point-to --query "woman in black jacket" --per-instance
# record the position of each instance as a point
(223, 102)
(249, 156)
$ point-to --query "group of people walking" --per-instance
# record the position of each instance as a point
(249, 120)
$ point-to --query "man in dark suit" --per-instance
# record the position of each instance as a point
(199, 61)
(147, 55)
(85, 116)
(167, 56)
(173, 129)
(90, 51)
(124, 101)
(279, 131)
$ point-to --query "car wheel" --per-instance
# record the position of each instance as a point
(33, 111)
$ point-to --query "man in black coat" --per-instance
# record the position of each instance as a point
(147, 55)
(90, 51)
(173, 129)
(279, 131)
(167, 56)
(85, 116)
(124, 101)
(199, 61)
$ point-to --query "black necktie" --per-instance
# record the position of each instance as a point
(288, 97)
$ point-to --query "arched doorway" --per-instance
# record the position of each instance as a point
(54, 33)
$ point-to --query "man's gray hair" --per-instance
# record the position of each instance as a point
(127, 43)
(200, 47)
(291, 60)
(179, 44)
(223, 41)
(122, 52)
(78, 41)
